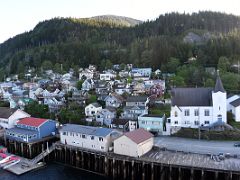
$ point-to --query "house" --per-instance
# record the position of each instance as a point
(137, 101)
(114, 100)
(134, 144)
(106, 116)
(235, 109)
(120, 124)
(92, 109)
(139, 88)
(231, 98)
(152, 123)
(107, 76)
(9, 117)
(132, 112)
(194, 107)
(102, 87)
(94, 138)
(122, 88)
(86, 74)
(87, 85)
(145, 72)
(31, 129)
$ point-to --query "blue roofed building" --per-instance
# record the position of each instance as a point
(145, 72)
(31, 129)
(94, 138)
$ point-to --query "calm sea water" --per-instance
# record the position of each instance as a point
(52, 172)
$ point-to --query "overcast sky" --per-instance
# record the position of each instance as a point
(18, 16)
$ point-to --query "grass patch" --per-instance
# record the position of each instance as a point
(229, 135)
(160, 110)
(234, 124)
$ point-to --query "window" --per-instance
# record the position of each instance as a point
(175, 122)
(101, 147)
(196, 123)
(175, 114)
(143, 122)
(84, 136)
(186, 112)
(100, 139)
(206, 112)
(196, 112)
(92, 137)
(206, 122)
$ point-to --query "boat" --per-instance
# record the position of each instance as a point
(5, 158)
(11, 163)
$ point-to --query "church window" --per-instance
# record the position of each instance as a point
(186, 112)
(206, 112)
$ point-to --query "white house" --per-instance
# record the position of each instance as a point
(194, 107)
(134, 144)
(234, 108)
(92, 109)
(9, 117)
(94, 138)
(87, 74)
(107, 76)
(231, 98)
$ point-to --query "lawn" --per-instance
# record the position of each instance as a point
(234, 124)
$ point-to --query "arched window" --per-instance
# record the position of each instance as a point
(175, 114)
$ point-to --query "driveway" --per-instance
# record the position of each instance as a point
(196, 146)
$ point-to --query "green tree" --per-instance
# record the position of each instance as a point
(209, 83)
(223, 64)
(37, 110)
(47, 65)
(177, 81)
(79, 84)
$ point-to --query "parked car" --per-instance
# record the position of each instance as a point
(237, 144)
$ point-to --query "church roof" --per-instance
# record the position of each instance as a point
(236, 103)
(219, 85)
(192, 97)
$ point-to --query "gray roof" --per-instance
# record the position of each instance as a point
(192, 97)
(96, 105)
(152, 115)
(88, 130)
(236, 102)
(219, 85)
(6, 112)
(134, 107)
(137, 99)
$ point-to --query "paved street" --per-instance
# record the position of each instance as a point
(197, 146)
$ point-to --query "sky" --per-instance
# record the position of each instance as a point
(18, 16)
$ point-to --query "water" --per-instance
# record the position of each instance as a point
(52, 172)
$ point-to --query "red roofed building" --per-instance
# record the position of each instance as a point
(134, 143)
(30, 121)
(31, 129)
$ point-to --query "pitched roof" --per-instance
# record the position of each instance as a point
(5, 112)
(219, 85)
(120, 121)
(96, 105)
(30, 121)
(139, 135)
(89, 130)
(191, 96)
(236, 102)
(137, 99)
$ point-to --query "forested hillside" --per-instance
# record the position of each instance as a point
(164, 43)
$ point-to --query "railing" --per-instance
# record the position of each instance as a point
(43, 154)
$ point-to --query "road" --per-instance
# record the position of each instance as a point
(196, 146)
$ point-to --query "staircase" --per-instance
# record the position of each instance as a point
(43, 154)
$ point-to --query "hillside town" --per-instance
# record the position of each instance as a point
(118, 109)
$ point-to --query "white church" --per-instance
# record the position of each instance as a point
(194, 107)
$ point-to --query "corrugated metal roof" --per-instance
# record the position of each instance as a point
(88, 130)
(21, 131)
(139, 135)
(30, 121)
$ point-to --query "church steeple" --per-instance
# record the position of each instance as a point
(219, 85)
